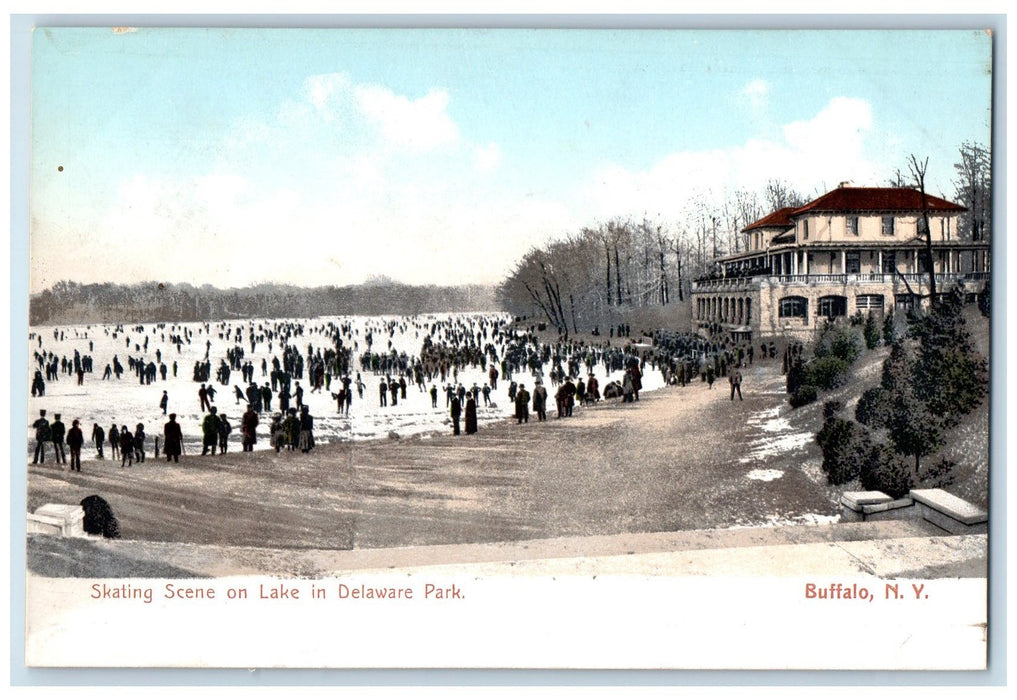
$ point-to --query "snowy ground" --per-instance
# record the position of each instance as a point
(127, 402)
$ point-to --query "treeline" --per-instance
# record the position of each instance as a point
(70, 302)
(588, 278)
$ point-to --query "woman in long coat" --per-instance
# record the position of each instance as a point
(471, 414)
(172, 439)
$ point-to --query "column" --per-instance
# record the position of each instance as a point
(880, 261)
(843, 261)
(794, 262)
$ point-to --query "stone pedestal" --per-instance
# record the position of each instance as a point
(57, 519)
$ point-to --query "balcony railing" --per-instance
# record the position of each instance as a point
(732, 284)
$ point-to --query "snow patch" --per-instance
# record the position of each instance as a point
(764, 474)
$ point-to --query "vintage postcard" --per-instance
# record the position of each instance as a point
(509, 348)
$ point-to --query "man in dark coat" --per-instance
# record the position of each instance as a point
(306, 430)
(126, 447)
(522, 404)
(56, 434)
(173, 439)
(224, 433)
(114, 441)
(41, 426)
(540, 401)
(210, 431)
(455, 411)
(471, 414)
(75, 439)
(99, 436)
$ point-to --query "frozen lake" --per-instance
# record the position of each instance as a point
(129, 401)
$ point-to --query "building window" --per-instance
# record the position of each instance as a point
(833, 306)
(805, 229)
(869, 302)
(889, 262)
(888, 225)
(852, 225)
(923, 261)
(904, 302)
(793, 307)
(852, 263)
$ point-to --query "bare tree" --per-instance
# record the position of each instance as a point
(918, 171)
(974, 190)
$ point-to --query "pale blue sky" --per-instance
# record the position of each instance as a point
(439, 156)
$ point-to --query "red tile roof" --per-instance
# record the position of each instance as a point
(863, 199)
(778, 219)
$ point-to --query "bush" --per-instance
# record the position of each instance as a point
(889, 329)
(832, 408)
(885, 470)
(804, 395)
(845, 448)
(796, 374)
(827, 372)
(840, 341)
(873, 407)
(938, 475)
(872, 333)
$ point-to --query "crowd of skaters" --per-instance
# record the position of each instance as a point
(326, 353)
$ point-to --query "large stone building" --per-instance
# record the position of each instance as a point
(852, 249)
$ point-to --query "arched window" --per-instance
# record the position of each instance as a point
(832, 306)
(793, 307)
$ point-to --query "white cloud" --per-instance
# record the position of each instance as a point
(828, 148)
(839, 128)
(419, 125)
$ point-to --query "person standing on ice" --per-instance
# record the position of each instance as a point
(139, 443)
(114, 441)
(471, 414)
(164, 402)
(306, 430)
(522, 401)
(203, 398)
(173, 439)
(75, 439)
(99, 437)
(540, 401)
(210, 431)
(224, 433)
(249, 428)
(455, 411)
(126, 447)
